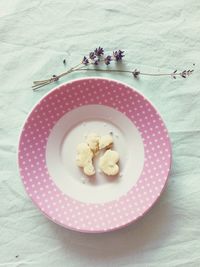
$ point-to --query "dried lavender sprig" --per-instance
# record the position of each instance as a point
(96, 57)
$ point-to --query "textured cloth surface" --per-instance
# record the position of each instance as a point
(35, 36)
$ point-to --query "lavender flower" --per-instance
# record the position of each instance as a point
(55, 77)
(186, 73)
(92, 55)
(85, 60)
(174, 74)
(99, 51)
(136, 73)
(183, 74)
(94, 58)
(107, 60)
(118, 55)
(96, 61)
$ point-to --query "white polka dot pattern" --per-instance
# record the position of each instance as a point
(83, 216)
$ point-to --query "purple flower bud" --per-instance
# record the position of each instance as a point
(55, 77)
(118, 55)
(107, 60)
(96, 62)
(99, 51)
(136, 73)
(85, 61)
(92, 55)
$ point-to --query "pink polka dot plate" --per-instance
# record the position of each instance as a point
(47, 155)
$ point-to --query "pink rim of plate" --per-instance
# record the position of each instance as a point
(86, 217)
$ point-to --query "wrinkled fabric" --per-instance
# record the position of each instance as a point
(157, 36)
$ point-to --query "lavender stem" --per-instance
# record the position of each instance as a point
(129, 71)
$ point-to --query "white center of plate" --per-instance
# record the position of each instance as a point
(71, 130)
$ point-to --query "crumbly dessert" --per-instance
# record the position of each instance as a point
(105, 141)
(86, 152)
(84, 159)
(108, 162)
(93, 142)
